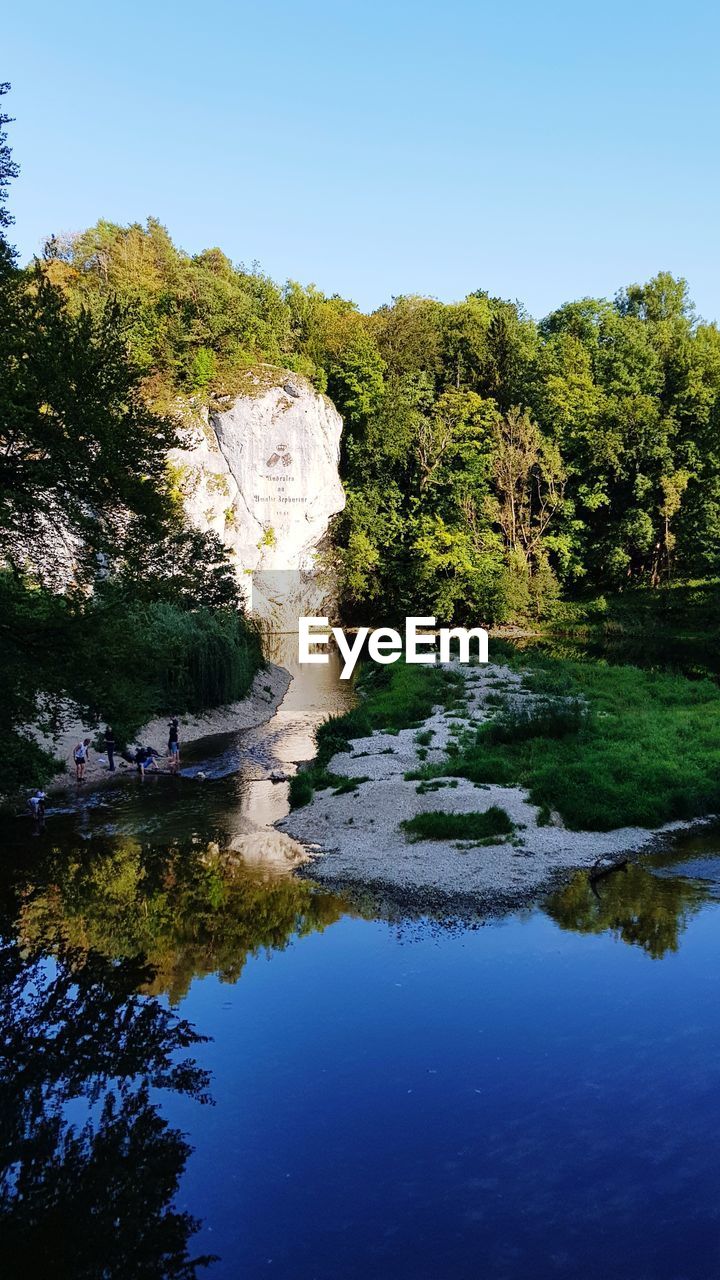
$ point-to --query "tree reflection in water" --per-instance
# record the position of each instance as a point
(90, 1196)
(640, 908)
(89, 1168)
(189, 912)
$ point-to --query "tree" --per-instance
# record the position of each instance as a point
(79, 449)
(529, 485)
(8, 170)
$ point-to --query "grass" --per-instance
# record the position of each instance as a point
(437, 825)
(391, 698)
(437, 784)
(348, 784)
(537, 720)
(494, 700)
(631, 748)
(605, 746)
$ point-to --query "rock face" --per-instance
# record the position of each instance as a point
(263, 474)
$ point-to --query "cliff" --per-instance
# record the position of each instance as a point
(261, 471)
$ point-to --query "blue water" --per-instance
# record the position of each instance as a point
(511, 1101)
(385, 1099)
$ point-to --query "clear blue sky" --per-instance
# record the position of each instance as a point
(542, 151)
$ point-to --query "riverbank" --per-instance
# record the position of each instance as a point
(268, 689)
(391, 791)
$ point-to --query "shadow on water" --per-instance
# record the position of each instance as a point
(95, 934)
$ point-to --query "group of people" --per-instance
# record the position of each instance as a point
(143, 757)
(147, 757)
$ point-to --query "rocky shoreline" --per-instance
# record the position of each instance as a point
(357, 842)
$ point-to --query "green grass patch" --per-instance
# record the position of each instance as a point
(494, 700)
(520, 723)
(631, 748)
(391, 698)
(437, 825)
(349, 784)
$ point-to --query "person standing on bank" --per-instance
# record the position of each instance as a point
(174, 745)
(80, 756)
(110, 748)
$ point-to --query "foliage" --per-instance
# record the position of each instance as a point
(8, 170)
(110, 657)
(438, 825)
(489, 461)
(112, 606)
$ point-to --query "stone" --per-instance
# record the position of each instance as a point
(262, 473)
(260, 470)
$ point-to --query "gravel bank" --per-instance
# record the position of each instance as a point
(357, 839)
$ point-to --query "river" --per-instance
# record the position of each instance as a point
(203, 1057)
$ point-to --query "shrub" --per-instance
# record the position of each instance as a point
(437, 825)
(539, 720)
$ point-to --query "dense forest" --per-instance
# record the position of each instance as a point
(493, 464)
(490, 461)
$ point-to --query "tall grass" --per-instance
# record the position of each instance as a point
(161, 659)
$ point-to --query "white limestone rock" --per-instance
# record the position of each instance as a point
(263, 474)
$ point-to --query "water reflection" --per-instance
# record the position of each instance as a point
(89, 1168)
(639, 908)
(111, 915)
(97, 931)
(186, 911)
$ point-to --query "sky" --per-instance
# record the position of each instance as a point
(540, 151)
